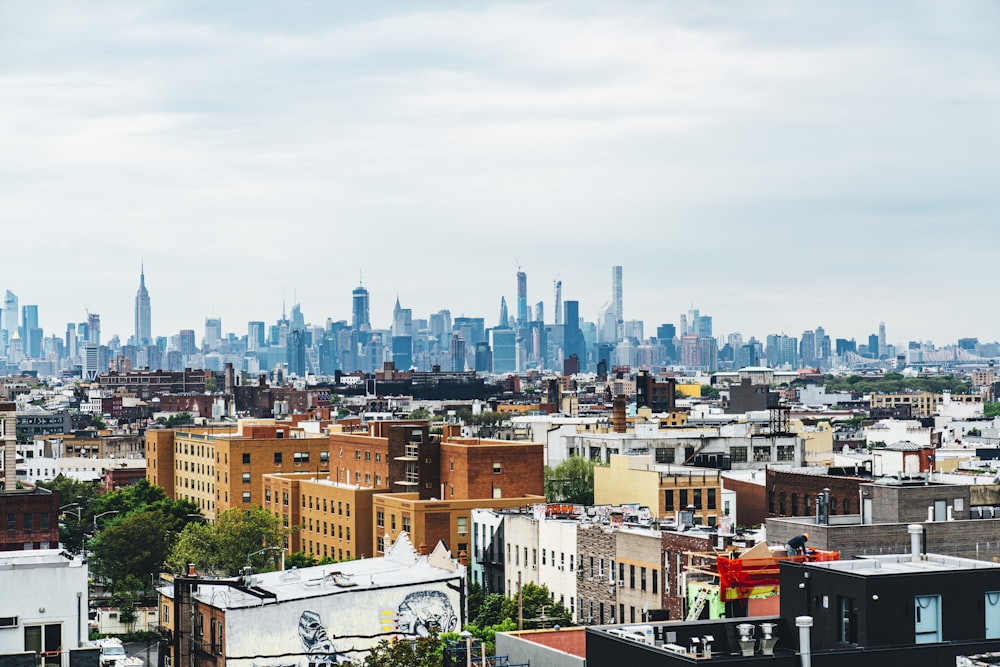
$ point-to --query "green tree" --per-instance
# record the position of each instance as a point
(476, 596)
(300, 559)
(77, 499)
(991, 410)
(179, 419)
(133, 548)
(493, 610)
(572, 481)
(708, 391)
(97, 422)
(419, 413)
(538, 608)
(227, 544)
(419, 652)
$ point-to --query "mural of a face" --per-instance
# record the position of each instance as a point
(424, 611)
(315, 641)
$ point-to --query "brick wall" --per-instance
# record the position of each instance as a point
(799, 491)
(597, 542)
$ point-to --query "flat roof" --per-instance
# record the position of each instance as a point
(38, 558)
(904, 564)
(400, 567)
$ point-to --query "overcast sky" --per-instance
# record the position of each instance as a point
(779, 165)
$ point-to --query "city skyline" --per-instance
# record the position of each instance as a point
(358, 317)
(780, 166)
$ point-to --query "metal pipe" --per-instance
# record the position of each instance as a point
(916, 531)
(804, 623)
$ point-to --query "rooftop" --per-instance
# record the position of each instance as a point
(904, 564)
(401, 566)
(38, 558)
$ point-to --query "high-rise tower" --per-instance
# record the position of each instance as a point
(359, 310)
(616, 301)
(559, 306)
(143, 335)
(522, 298)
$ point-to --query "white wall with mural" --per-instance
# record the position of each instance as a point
(340, 627)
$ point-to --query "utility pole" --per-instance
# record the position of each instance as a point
(520, 604)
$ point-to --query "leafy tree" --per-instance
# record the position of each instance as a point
(708, 391)
(991, 410)
(476, 596)
(77, 498)
(493, 610)
(419, 652)
(179, 419)
(134, 547)
(572, 481)
(419, 413)
(97, 422)
(538, 608)
(227, 544)
(300, 559)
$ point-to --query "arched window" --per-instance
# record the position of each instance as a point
(795, 504)
(781, 504)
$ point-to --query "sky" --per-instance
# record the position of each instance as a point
(777, 165)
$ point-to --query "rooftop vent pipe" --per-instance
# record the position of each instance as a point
(804, 623)
(916, 532)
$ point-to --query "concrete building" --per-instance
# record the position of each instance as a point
(44, 608)
(542, 550)
(313, 616)
(923, 403)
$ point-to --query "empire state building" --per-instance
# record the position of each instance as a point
(142, 314)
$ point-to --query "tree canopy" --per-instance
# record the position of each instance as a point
(894, 383)
(572, 481)
(226, 546)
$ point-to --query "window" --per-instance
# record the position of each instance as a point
(246, 478)
(847, 616)
(357, 454)
(543, 556)
(683, 498)
(267, 495)
(284, 498)
(451, 465)
(462, 526)
(246, 458)
(29, 521)
(324, 457)
(392, 521)
(43, 520)
(406, 524)
(631, 576)
(697, 499)
(656, 576)
(246, 496)
(642, 578)
(711, 499)
(300, 457)
(277, 458)
(668, 500)
(11, 521)
(496, 467)
(738, 454)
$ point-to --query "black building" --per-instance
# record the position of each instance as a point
(914, 609)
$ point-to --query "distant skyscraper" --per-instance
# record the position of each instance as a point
(540, 311)
(881, 352)
(522, 298)
(185, 342)
(143, 334)
(402, 320)
(31, 334)
(10, 314)
(457, 352)
(573, 341)
(504, 320)
(213, 333)
(93, 328)
(616, 301)
(359, 309)
(559, 306)
(255, 335)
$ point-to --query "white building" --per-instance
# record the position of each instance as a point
(324, 615)
(542, 551)
(43, 604)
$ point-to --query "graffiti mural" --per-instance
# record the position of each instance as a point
(316, 642)
(423, 612)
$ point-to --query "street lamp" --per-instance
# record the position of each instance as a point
(98, 516)
(281, 549)
(78, 510)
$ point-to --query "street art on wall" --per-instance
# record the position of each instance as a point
(340, 628)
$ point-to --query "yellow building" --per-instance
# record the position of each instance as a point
(430, 521)
(220, 468)
(333, 520)
(818, 440)
(665, 489)
(689, 389)
(922, 403)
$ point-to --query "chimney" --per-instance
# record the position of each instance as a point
(618, 421)
(8, 440)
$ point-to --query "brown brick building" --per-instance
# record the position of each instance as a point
(794, 492)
